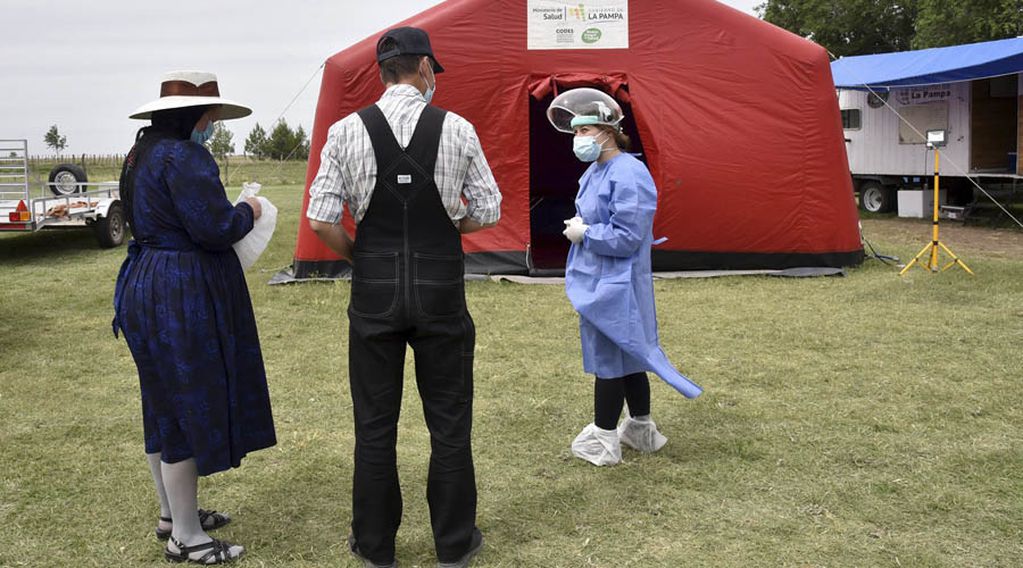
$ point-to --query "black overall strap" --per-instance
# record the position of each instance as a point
(385, 146)
(425, 142)
(404, 171)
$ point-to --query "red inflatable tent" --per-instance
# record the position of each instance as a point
(737, 120)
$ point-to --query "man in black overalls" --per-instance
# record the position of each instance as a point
(408, 289)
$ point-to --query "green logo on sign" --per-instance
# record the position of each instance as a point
(591, 35)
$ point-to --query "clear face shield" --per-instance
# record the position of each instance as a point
(579, 107)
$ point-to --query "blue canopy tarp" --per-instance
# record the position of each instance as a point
(929, 66)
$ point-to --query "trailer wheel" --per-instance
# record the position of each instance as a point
(876, 198)
(110, 229)
(64, 179)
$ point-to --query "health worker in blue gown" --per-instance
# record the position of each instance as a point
(609, 281)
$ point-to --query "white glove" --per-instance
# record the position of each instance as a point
(575, 229)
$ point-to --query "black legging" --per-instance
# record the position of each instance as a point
(610, 394)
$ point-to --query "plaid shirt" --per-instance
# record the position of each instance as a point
(348, 168)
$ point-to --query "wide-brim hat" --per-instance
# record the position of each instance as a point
(182, 89)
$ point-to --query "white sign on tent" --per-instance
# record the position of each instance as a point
(565, 24)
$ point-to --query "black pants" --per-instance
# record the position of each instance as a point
(444, 357)
(610, 394)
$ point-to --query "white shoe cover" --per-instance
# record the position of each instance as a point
(641, 435)
(597, 446)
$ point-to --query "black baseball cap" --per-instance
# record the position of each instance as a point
(408, 41)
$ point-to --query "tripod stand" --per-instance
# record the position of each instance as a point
(935, 138)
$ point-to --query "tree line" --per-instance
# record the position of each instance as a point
(862, 27)
(282, 143)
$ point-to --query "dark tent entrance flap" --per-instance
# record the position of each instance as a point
(554, 171)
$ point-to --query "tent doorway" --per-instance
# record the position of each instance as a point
(994, 120)
(554, 174)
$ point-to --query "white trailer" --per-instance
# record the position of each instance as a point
(983, 120)
(71, 201)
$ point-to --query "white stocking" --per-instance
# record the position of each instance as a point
(161, 493)
(181, 482)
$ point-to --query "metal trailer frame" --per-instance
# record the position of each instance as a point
(89, 205)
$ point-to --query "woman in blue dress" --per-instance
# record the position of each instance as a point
(609, 281)
(183, 305)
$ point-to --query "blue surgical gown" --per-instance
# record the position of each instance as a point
(608, 276)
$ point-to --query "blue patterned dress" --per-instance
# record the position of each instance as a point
(183, 305)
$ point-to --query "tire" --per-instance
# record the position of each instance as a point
(63, 178)
(876, 198)
(110, 229)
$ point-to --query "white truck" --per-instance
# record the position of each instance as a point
(983, 121)
(72, 202)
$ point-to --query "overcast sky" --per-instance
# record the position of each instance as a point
(85, 66)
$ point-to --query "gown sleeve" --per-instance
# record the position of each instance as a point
(633, 201)
(200, 201)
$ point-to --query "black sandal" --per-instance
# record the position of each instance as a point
(219, 552)
(205, 517)
(219, 519)
(162, 534)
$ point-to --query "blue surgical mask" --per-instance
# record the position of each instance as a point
(200, 137)
(428, 95)
(586, 148)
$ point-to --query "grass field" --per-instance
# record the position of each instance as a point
(870, 420)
